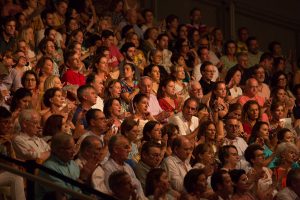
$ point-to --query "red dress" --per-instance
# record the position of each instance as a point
(167, 107)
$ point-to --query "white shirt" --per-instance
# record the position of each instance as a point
(176, 169)
(184, 127)
(29, 148)
(287, 194)
(111, 166)
(99, 104)
(154, 107)
(97, 178)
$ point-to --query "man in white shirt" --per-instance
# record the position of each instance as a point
(28, 145)
(90, 149)
(177, 165)
(145, 86)
(98, 84)
(119, 149)
(185, 120)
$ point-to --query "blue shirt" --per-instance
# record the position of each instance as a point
(69, 169)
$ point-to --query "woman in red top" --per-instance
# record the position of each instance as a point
(167, 98)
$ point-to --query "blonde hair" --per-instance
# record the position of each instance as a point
(49, 82)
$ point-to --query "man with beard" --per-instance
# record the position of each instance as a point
(254, 53)
(128, 51)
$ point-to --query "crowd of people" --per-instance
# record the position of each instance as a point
(138, 108)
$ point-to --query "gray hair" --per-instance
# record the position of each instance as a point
(285, 146)
(26, 115)
(191, 83)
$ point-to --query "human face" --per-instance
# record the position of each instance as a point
(163, 43)
(100, 121)
(281, 95)
(128, 72)
(50, 47)
(142, 106)
(115, 90)
(281, 81)
(181, 61)
(25, 102)
(208, 72)
(130, 53)
(135, 40)
(237, 77)
(98, 85)
(153, 157)
(189, 110)
(221, 90)
(207, 157)
(22, 20)
(30, 82)
(243, 61)
(23, 46)
(202, 183)
(50, 20)
(253, 46)
(57, 83)
(183, 32)
(196, 36)
(6, 126)
(252, 87)
(183, 152)
(260, 75)
(10, 28)
(153, 34)
(33, 126)
(52, 34)
(149, 17)
(48, 67)
(278, 113)
(169, 90)
(127, 188)
(155, 74)
(219, 35)
(79, 37)
(155, 134)
(74, 62)
(211, 132)
(204, 55)
(237, 114)
(259, 158)
(57, 99)
(231, 49)
(22, 59)
(73, 25)
(253, 112)
(196, 91)
(227, 184)
(264, 132)
(243, 35)
(291, 155)
(108, 41)
(115, 109)
(243, 184)
(180, 75)
(157, 57)
(185, 47)
(132, 134)
(103, 64)
(164, 182)
(122, 148)
(146, 86)
(232, 128)
(233, 156)
(288, 137)
(77, 48)
(66, 151)
(91, 96)
(62, 8)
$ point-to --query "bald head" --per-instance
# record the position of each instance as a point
(251, 87)
(195, 90)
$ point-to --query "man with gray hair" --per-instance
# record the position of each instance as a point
(28, 145)
(145, 86)
(119, 149)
